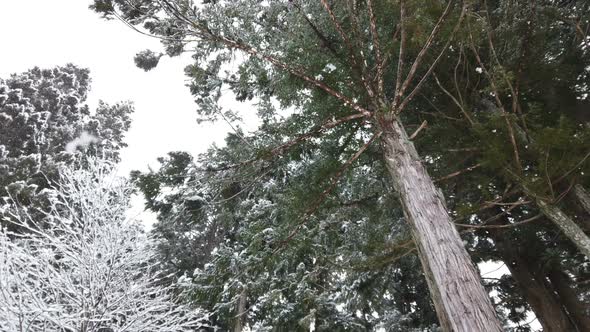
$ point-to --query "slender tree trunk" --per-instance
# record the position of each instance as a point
(241, 311)
(566, 225)
(461, 302)
(546, 306)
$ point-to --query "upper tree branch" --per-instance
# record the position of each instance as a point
(395, 106)
(377, 47)
(356, 64)
(435, 62)
(327, 191)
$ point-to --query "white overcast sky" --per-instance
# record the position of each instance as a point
(47, 33)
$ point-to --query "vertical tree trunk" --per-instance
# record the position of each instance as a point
(570, 298)
(524, 271)
(461, 302)
(241, 311)
(546, 306)
(541, 298)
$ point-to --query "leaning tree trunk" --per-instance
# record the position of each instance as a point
(570, 299)
(524, 270)
(583, 197)
(571, 230)
(462, 303)
(566, 225)
(545, 305)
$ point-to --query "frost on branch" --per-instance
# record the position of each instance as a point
(147, 60)
(85, 267)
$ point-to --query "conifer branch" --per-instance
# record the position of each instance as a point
(377, 47)
(204, 33)
(457, 173)
(402, 52)
(410, 96)
(287, 145)
(499, 103)
(418, 61)
(298, 72)
(326, 192)
(358, 65)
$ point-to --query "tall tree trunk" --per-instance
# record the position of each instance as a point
(546, 306)
(542, 299)
(524, 268)
(570, 299)
(462, 303)
(241, 311)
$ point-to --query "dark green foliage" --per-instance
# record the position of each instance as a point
(147, 60)
(228, 214)
(44, 124)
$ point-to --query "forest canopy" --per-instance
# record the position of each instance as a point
(400, 146)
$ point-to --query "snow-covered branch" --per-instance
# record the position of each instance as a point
(85, 266)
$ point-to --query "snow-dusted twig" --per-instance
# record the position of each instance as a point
(85, 266)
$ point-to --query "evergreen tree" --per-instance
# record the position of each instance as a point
(331, 63)
(223, 230)
(44, 123)
(508, 116)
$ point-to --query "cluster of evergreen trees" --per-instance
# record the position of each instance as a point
(400, 144)
(300, 222)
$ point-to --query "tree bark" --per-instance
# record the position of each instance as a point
(570, 299)
(583, 197)
(546, 306)
(541, 298)
(462, 304)
(524, 270)
(241, 311)
(566, 225)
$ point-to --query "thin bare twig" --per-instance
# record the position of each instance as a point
(516, 224)
(457, 173)
(457, 102)
(422, 126)
(580, 163)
